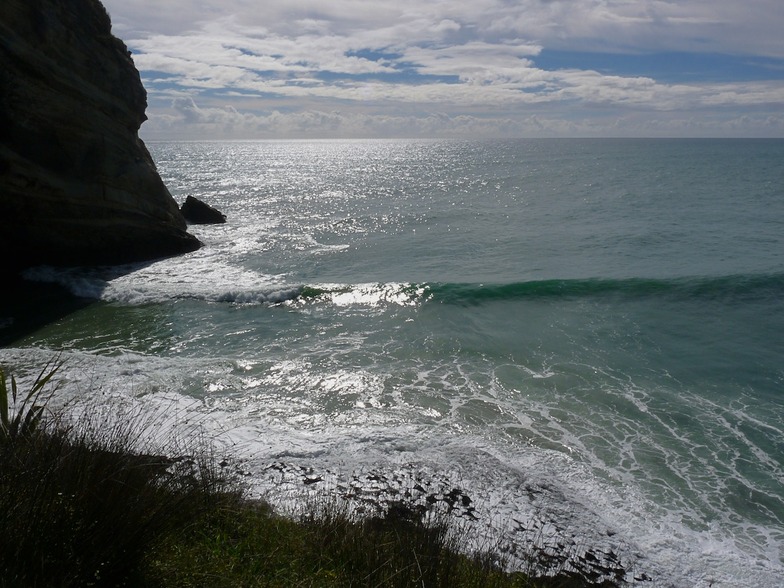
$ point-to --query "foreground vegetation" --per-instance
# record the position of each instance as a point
(82, 505)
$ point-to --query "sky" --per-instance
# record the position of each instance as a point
(310, 69)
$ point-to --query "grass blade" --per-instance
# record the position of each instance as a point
(29, 412)
(3, 404)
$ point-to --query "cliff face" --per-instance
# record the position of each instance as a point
(77, 185)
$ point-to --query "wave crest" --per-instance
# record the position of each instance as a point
(725, 287)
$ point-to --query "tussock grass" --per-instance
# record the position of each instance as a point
(88, 503)
(81, 506)
(327, 547)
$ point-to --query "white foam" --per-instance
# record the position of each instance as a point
(79, 281)
(208, 279)
(168, 280)
(370, 295)
(256, 411)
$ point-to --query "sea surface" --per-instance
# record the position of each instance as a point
(584, 336)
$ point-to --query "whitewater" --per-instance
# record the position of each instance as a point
(583, 336)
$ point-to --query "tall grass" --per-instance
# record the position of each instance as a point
(80, 505)
(28, 407)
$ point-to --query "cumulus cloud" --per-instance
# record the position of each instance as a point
(187, 120)
(721, 26)
(476, 62)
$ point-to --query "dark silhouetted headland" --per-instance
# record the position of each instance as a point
(77, 185)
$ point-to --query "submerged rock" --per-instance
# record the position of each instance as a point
(199, 213)
(77, 184)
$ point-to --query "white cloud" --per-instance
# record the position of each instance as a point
(472, 61)
(188, 121)
(722, 26)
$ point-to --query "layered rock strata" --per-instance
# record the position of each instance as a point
(77, 184)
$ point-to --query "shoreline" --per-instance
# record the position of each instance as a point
(113, 505)
(273, 447)
(426, 494)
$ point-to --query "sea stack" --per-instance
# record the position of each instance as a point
(197, 212)
(77, 184)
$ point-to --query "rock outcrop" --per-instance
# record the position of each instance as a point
(77, 184)
(200, 213)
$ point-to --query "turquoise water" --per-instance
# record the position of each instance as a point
(600, 320)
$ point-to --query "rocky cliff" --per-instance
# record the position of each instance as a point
(77, 185)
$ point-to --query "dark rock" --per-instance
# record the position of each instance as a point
(77, 185)
(198, 213)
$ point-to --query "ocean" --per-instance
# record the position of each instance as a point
(585, 337)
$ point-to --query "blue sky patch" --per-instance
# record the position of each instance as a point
(667, 67)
